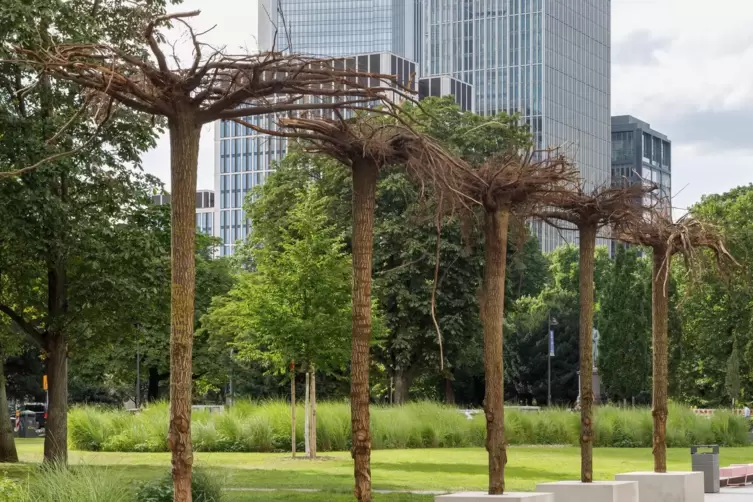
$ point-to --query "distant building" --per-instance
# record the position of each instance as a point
(205, 209)
(445, 85)
(641, 154)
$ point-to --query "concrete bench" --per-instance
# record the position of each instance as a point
(735, 475)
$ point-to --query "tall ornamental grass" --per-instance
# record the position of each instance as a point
(265, 427)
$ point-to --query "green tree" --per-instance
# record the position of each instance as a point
(625, 326)
(732, 379)
(53, 216)
(293, 309)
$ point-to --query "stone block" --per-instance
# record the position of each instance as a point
(598, 491)
(667, 487)
(485, 497)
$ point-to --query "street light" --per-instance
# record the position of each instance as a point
(552, 322)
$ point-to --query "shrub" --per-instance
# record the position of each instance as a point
(265, 427)
(59, 483)
(10, 491)
(203, 489)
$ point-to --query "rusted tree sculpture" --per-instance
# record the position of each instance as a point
(666, 239)
(365, 144)
(214, 85)
(505, 184)
(590, 211)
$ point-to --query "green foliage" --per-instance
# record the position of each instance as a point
(732, 378)
(204, 488)
(10, 491)
(625, 328)
(265, 427)
(295, 305)
(59, 483)
(527, 327)
(714, 309)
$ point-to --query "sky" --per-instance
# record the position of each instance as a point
(683, 66)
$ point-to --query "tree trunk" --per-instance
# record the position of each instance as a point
(403, 382)
(184, 154)
(659, 316)
(587, 252)
(449, 392)
(307, 416)
(56, 346)
(56, 428)
(8, 451)
(153, 386)
(312, 425)
(292, 409)
(492, 314)
(364, 201)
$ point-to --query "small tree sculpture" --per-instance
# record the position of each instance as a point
(505, 184)
(667, 238)
(365, 144)
(215, 86)
(590, 211)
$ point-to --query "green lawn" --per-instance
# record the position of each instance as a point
(440, 469)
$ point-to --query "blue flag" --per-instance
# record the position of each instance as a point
(551, 343)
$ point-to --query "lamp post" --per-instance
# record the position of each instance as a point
(552, 322)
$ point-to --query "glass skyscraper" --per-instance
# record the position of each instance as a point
(341, 27)
(547, 60)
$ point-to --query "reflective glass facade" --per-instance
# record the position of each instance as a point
(639, 154)
(548, 60)
(244, 158)
(341, 27)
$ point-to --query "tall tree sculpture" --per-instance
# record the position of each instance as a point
(590, 211)
(667, 238)
(365, 144)
(214, 86)
(505, 184)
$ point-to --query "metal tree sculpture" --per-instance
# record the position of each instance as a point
(590, 211)
(667, 238)
(215, 86)
(365, 144)
(510, 183)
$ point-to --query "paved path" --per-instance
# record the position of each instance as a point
(744, 494)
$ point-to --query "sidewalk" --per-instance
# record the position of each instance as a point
(742, 494)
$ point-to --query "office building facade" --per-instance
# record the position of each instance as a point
(341, 27)
(642, 155)
(244, 158)
(546, 60)
(205, 209)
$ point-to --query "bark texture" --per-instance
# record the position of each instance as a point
(364, 201)
(492, 313)
(8, 451)
(312, 426)
(56, 428)
(403, 383)
(587, 258)
(184, 153)
(292, 411)
(307, 415)
(659, 317)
